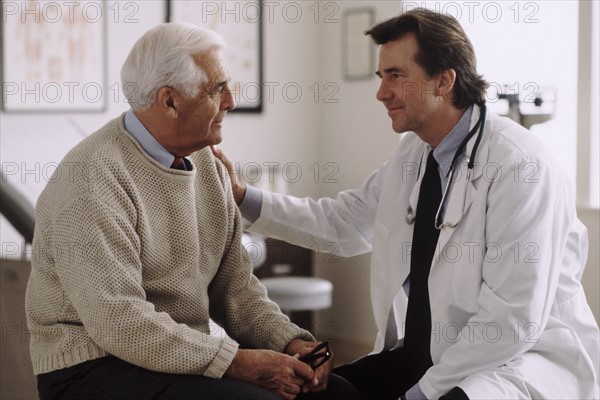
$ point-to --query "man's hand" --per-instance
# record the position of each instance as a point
(238, 187)
(321, 373)
(278, 373)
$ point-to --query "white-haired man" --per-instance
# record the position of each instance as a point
(138, 248)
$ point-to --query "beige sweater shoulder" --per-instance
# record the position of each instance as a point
(136, 260)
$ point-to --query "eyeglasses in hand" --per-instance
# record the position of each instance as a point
(318, 356)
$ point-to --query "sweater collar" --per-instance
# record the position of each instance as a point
(148, 142)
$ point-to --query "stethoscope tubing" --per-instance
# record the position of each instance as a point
(478, 128)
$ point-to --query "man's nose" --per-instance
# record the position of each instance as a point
(228, 101)
(384, 93)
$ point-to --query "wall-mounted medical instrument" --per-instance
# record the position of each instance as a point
(533, 105)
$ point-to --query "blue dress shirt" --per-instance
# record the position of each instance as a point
(148, 142)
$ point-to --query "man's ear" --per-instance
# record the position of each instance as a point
(446, 81)
(166, 99)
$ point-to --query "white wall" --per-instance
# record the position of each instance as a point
(334, 140)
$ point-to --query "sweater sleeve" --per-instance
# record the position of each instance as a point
(239, 301)
(101, 275)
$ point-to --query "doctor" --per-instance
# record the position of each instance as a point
(508, 315)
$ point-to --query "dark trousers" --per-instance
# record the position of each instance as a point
(387, 376)
(110, 378)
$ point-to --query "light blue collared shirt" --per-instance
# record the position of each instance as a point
(252, 203)
(444, 152)
(148, 142)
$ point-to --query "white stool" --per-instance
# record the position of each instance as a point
(299, 293)
(291, 293)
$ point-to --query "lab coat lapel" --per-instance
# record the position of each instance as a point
(414, 195)
(463, 189)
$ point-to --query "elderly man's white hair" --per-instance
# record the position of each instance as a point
(163, 56)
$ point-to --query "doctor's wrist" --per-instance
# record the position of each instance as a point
(239, 192)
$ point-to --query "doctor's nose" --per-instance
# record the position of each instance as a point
(384, 93)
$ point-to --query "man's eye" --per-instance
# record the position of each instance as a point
(216, 91)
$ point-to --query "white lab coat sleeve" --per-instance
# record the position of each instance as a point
(342, 226)
(528, 217)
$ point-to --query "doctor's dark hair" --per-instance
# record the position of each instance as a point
(443, 44)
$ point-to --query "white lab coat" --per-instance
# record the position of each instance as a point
(509, 315)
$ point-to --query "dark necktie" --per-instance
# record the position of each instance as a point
(179, 163)
(418, 316)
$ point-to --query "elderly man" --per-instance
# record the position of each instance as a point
(477, 252)
(138, 248)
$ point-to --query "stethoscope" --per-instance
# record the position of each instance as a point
(439, 223)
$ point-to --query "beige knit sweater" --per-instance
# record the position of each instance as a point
(131, 259)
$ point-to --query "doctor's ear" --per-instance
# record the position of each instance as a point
(446, 81)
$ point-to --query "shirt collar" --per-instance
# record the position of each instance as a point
(444, 152)
(148, 142)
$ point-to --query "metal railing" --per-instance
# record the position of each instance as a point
(17, 209)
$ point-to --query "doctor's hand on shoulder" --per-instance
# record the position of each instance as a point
(238, 187)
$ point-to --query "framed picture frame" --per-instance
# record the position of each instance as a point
(240, 24)
(358, 51)
(53, 57)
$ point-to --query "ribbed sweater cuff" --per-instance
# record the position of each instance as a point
(42, 365)
(223, 359)
(282, 337)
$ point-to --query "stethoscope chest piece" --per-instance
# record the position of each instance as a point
(410, 215)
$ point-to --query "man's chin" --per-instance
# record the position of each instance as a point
(399, 128)
(217, 138)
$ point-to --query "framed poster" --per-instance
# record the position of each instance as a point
(53, 56)
(358, 50)
(240, 24)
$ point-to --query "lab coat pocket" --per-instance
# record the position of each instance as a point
(465, 281)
